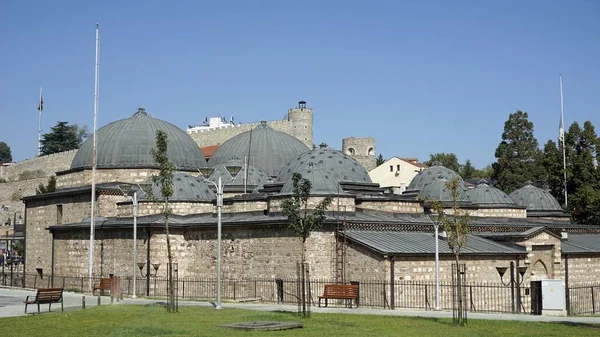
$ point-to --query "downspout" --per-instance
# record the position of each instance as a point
(52, 264)
(392, 285)
(567, 295)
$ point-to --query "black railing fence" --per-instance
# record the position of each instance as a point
(584, 299)
(480, 297)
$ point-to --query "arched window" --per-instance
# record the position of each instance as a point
(351, 151)
(371, 151)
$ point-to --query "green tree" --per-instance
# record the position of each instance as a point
(448, 160)
(303, 221)
(63, 137)
(467, 171)
(553, 165)
(582, 147)
(50, 187)
(379, 160)
(164, 179)
(457, 228)
(5, 153)
(484, 173)
(518, 157)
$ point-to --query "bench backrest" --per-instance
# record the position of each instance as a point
(341, 289)
(49, 295)
(105, 283)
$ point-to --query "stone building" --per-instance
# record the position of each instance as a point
(367, 233)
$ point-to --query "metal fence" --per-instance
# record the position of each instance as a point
(480, 297)
(583, 299)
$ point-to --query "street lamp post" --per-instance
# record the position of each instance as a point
(434, 218)
(126, 189)
(233, 170)
(512, 283)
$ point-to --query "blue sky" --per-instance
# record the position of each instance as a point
(420, 76)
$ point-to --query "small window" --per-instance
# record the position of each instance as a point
(398, 167)
(351, 151)
(391, 168)
(59, 214)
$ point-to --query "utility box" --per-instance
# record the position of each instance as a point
(553, 298)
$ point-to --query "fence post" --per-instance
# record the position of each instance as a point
(593, 301)
(279, 283)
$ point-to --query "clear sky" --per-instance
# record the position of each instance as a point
(419, 76)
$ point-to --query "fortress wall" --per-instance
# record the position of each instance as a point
(38, 167)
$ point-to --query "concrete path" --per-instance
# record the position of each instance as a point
(11, 304)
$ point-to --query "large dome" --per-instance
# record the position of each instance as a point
(535, 199)
(254, 175)
(437, 190)
(335, 163)
(264, 147)
(126, 143)
(486, 195)
(431, 174)
(321, 182)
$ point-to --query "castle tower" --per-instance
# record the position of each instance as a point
(301, 123)
(361, 149)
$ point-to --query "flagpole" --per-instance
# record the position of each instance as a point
(562, 123)
(40, 108)
(93, 201)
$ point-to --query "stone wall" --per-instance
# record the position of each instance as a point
(583, 269)
(38, 167)
(413, 207)
(83, 178)
(499, 212)
(337, 204)
(257, 252)
(299, 123)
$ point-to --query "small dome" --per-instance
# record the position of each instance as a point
(322, 182)
(126, 143)
(255, 175)
(486, 195)
(437, 190)
(535, 199)
(431, 174)
(333, 162)
(185, 188)
(264, 147)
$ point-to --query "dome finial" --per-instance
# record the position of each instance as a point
(141, 112)
(529, 183)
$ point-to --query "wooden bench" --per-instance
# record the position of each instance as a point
(104, 284)
(347, 292)
(46, 296)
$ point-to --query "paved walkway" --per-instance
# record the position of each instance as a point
(11, 304)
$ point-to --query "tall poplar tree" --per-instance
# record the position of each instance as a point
(518, 157)
(164, 179)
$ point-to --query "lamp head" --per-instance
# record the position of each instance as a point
(146, 187)
(141, 265)
(501, 271)
(233, 170)
(434, 217)
(125, 188)
(206, 171)
(155, 266)
(522, 270)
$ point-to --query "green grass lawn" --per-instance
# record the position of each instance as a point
(133, 320)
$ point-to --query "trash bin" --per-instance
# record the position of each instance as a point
(279, 283)
(356, 283)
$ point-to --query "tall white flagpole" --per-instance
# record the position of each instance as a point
(93, 201)
(562, 136)
(40, 108)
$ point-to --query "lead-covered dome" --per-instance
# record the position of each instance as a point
(254, 175)
(263, 147)
(126, 143)
(485, 195)
(535, 199)
(185, 188)
(322, 182)
(437, 190)
(335, 163)
(431, 174)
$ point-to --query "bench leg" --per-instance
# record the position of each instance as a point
(25, 307)
(62, 308)
(38, 308)
(49, 307)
